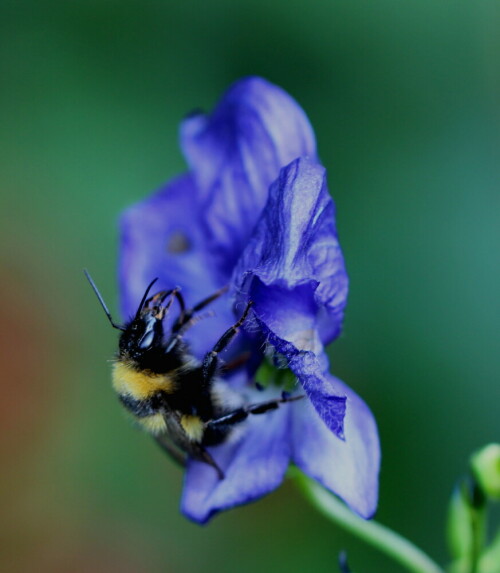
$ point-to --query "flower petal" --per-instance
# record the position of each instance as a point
(236, 153)
(293, 271)
(295, 250)
(328, 400)
(254, 465)
(162, 237)
(348, 468)
(286, 316)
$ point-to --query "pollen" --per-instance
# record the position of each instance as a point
(154, 425)
(193, 426)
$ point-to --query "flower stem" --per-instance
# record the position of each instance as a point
(381, 537)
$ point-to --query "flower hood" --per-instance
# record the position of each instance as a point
(253, 212)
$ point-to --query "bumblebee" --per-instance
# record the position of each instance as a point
(182, 402)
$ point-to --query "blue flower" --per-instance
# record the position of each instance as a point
(254, 212)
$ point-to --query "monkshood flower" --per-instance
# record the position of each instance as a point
(253, 212)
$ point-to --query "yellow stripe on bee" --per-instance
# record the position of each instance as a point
(139, 384)
(193, 427)
(153, 424)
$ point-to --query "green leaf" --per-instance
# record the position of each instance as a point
(490, 559)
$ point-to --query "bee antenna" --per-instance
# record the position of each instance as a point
(101, 300)
(144, 298)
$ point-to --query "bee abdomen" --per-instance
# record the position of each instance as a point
(147, 413)
(140, 408)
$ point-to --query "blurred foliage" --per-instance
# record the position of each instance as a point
(404, 99)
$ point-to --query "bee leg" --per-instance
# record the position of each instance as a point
(236, 363)
(160, 296)
(180, 299)
(211, 360)
(240, 414)
(169, 448)
(201, 454)
(186, 315)
(193, 449)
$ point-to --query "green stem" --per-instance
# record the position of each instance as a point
(372, 532)
(478, 527)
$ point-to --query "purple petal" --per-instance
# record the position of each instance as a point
(293, 271)
(294, 254)
(328, 400)
(236, 153)
(254, 465)
(288, 313)
(162, 237)
(348, 468)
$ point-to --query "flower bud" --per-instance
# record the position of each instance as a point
(459, 527)
(485, 465)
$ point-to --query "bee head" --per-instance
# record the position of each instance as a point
(141, 340)
(143, 335)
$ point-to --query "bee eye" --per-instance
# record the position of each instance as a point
(147, 340)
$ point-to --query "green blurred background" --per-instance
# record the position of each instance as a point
(404, 97)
